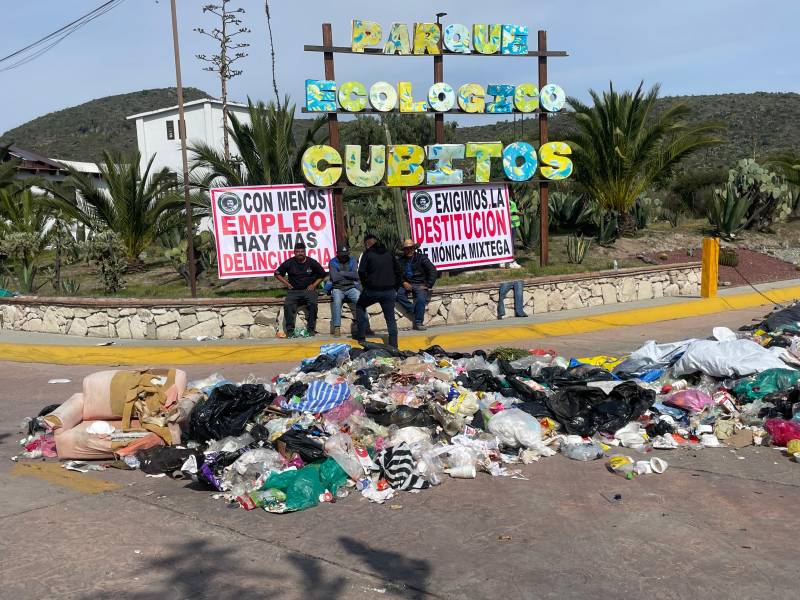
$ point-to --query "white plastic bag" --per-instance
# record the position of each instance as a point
(515, 428)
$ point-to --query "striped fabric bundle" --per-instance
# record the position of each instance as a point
(320, 397)
(397, 467)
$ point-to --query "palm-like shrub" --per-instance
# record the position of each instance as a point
(137, 208)
(623, 145)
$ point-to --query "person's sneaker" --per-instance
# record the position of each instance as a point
(420, 327)
(337, 331)
(514, 265)
(522, 316)
(371, 333)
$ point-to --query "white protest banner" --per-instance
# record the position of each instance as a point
(257, 227)
(462, 226)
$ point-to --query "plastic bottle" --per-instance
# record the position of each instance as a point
(621, 465)
(679, 384)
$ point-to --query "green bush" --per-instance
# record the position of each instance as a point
(106, 251)
(728, 211)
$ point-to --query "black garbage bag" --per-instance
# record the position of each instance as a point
(439, 351)
(507, 369)
(660, 428)
(309, 445)
(227, 411)
(164, 459)
(784, 402)
(781, 341)
(555, 377)
(480, 380)
(535, 408)
(298, 388)
(586, 410)
(786, 319)
(519, 389)
(324, 362)
(402, 416)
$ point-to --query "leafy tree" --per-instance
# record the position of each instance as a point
(138, 208)
(268, 151)
(622, 146)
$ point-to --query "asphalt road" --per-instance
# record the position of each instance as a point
(717, 524)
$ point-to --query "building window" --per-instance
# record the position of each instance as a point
(170, 130)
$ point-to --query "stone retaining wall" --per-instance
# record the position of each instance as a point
(262, 318)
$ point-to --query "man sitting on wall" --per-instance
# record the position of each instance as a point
(343, 270)
(301, 275)
(419, 275)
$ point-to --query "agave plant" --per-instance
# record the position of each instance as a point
(607, 228)
(570, 212)
(623, 145)
(728, 211)
(577, 247)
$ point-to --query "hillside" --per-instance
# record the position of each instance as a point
(83, 132)
(758, 123)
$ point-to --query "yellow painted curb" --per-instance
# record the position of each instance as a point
(294, 351)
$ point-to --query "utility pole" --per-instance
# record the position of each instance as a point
(229, 53)
(190, 266)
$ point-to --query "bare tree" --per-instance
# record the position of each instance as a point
(272, 53)
(230, 51)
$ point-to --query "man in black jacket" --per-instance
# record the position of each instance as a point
(380, 277)
(419, 275)
(302, 275)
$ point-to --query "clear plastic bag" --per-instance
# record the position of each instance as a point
(582, 451)
(340, 448)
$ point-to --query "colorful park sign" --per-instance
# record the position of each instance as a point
(409, 165)
(403, 165)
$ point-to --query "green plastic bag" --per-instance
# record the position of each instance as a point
(766, 382)
(304, 486)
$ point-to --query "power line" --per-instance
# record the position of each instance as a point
(46, 43)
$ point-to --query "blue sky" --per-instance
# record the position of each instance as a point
(689, 46)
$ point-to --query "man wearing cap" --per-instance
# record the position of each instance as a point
(419, 276)
(301, 275)
(380, 277)
(343, 270)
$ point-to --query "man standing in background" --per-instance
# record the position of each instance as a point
(419, 275)
(343, 270)
(380, 277)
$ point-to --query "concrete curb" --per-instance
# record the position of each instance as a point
(296, 350)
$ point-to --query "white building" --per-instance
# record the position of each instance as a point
(157, 131)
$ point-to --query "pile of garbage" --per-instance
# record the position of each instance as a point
(377, 421)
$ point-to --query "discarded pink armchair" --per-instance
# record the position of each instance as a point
(137, 404)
